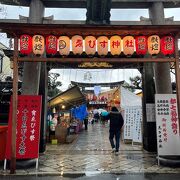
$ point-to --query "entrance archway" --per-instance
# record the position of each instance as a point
(15, 30)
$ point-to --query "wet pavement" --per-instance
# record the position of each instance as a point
(90, 155)
(99, 177)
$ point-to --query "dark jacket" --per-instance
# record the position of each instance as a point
(116, 121)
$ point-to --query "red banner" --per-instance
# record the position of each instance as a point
(28, 127)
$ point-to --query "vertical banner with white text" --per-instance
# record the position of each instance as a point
(28, 127)
(167, 125)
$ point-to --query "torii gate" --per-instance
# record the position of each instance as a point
(15, 30)
(98, 12)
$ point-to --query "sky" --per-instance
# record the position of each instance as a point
(66, 75)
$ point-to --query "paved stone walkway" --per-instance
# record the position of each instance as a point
(91, 153)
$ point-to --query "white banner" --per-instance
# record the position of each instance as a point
(132, 123)
(128, 123)
(137, 134)
(167, 125)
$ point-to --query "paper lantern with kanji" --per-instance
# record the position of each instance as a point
(141, 45)
(90, 45)
(51, 44)
(102, 45)
(115, 45)
(38, 44)
(167, 45)
(25, 44)
(153, 44)
(64, 45)
(128, 45)
(77, 44)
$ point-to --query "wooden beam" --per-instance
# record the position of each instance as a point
(85, 30)
(81, 60)
(14, 107)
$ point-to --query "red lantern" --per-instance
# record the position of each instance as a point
(167, 45)
(51, 44)
(141, 45)
(25, 44)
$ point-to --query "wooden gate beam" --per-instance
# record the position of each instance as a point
(14, 107)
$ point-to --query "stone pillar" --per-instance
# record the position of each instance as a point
(31, 73)
(162, 80)
(161, 70)
(162, 73)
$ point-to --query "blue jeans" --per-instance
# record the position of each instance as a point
(117, 139)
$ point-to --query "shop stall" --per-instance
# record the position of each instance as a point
(60, 108)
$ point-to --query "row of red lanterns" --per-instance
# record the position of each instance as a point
(153, 45)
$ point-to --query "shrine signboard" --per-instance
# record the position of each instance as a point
(167, 125)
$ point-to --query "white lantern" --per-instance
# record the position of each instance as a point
(38, 44)
(153, 44)
(77, 44)
(102, 45)
(90, 45)
(128, 45)
(115, 45)
(64, 45)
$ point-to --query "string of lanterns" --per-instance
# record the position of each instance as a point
(128, 45)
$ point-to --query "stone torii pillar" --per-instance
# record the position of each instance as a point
(35, 73)
(31, 74)
(162, 81)
(161, 70)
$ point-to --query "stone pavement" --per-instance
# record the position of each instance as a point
(91, 153)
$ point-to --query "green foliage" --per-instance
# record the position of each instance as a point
(53, 84)
(136, 83)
